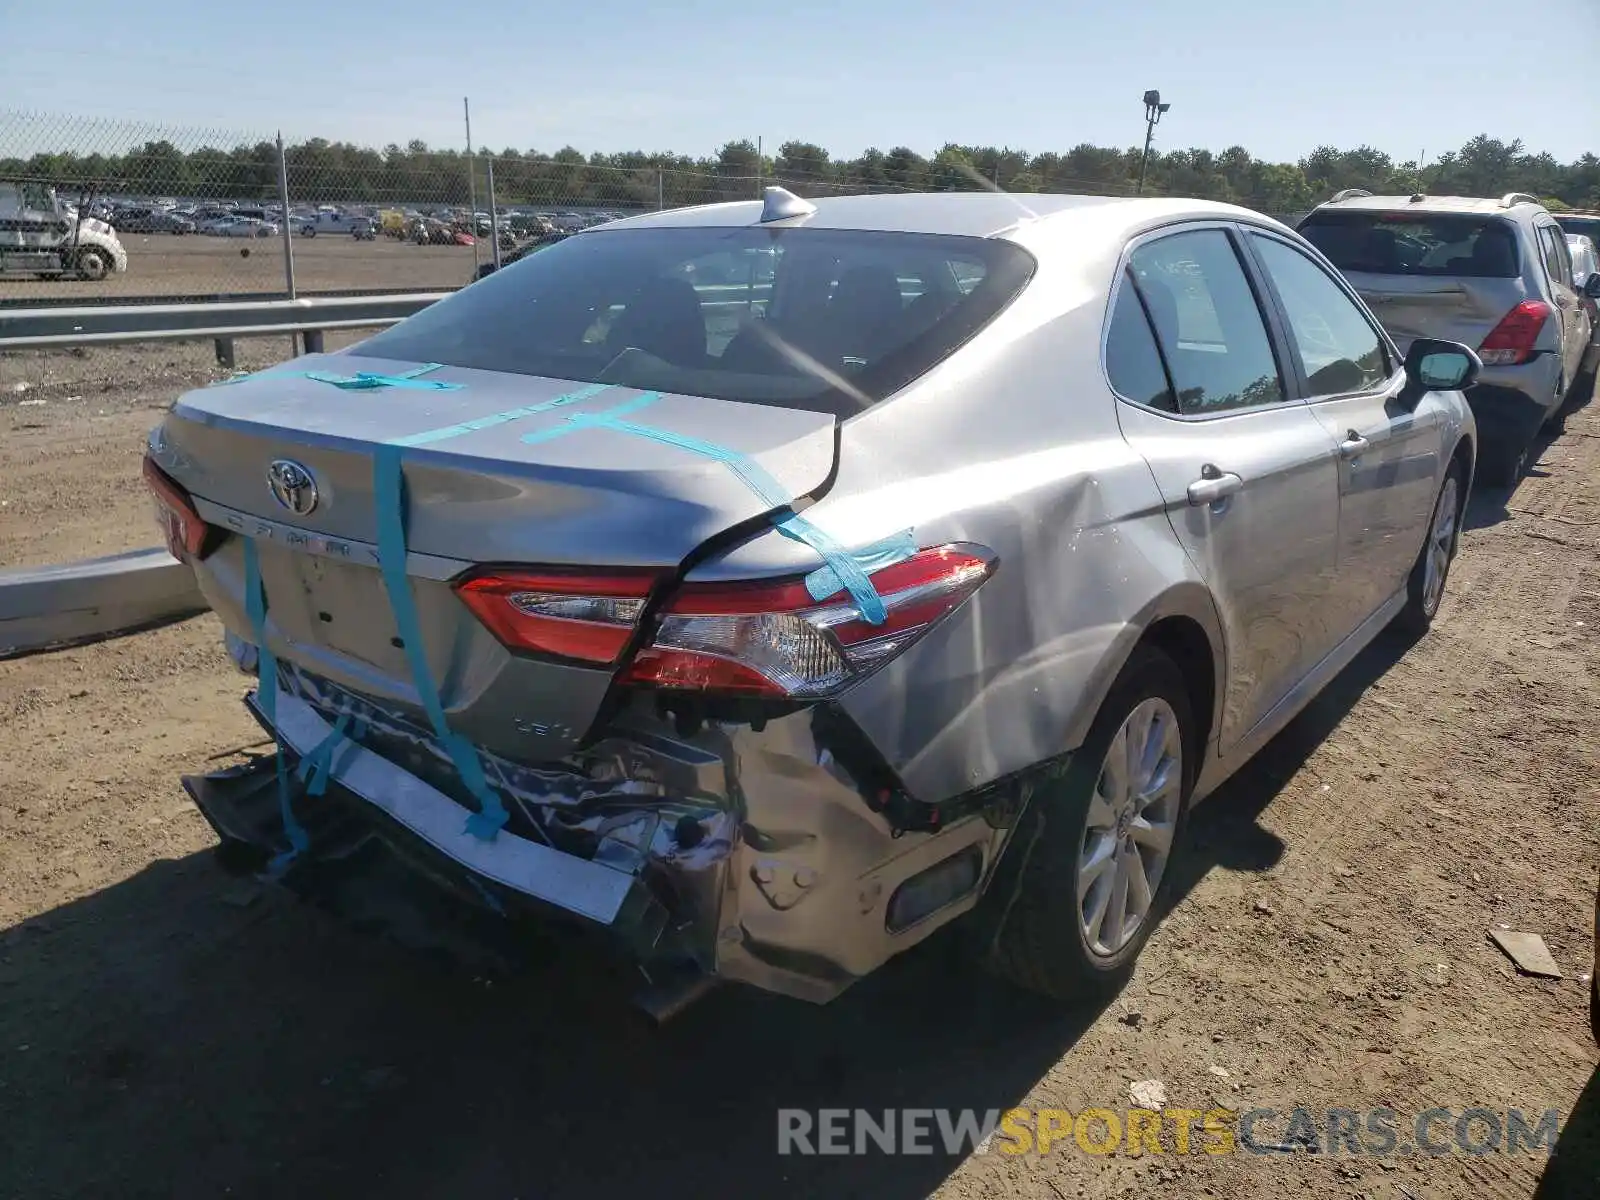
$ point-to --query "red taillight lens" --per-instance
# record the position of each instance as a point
(1511, 342)
(175, 513)
(585, 617)
(773, 640)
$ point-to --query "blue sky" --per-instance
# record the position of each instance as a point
(1276, 76)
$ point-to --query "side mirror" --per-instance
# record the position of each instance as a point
(1591, 286)
(1436, 366)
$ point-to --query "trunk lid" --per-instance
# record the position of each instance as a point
(477, 493)
(586, 496)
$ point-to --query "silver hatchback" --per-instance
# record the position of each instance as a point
(1493, 274)
(766, 586)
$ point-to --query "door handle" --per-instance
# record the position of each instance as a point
(1353, 445)
(1213, 486)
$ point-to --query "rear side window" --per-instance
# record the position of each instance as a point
(1133, 363)
(1208, 322)
(1556, 259)
(823, 319)
(1413, 243)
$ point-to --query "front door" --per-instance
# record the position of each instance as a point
(1388, 453)
(1246, 471)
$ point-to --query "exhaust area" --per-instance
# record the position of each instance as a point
(669, 998)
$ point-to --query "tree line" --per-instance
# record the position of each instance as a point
(322, 171)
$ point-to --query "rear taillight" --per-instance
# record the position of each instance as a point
(772, 640)
(1511, 342)
(589, 618)
(186, 533)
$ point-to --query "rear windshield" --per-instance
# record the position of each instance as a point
(1588, 227)
(1408, 243)
(831, 320)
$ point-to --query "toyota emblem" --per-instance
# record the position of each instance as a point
(292, 486)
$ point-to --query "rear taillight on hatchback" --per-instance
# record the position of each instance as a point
(1512, 342)
(772, 640)
(186, 534)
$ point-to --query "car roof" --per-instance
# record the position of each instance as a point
(970, 214)
(1437, 204)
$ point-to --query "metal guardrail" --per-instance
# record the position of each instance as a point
(209, 297)
(39, 328)
(46, 607)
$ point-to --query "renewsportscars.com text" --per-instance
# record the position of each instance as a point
(1377, 1132)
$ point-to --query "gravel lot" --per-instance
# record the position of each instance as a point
(164, 1032)
(196, 265)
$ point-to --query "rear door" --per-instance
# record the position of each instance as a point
(1568, 302)
(1388, 454)
(1246, 471)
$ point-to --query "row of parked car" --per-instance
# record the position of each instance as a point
(236, 220)
(1505, 276)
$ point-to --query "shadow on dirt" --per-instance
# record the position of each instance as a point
(1491, 505)
(175, 1036)
(1574, 1168)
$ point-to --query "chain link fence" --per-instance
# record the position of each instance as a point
(98, 211)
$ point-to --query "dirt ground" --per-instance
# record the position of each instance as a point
(160, 264)
(166, 1032)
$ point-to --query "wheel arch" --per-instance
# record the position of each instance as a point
(1182, 623)
(1465, 453)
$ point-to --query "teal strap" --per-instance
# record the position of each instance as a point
(388, 488)
(429, 436)
(369, 380)
(843, 569)
(255, 601)
(317, 765)
(896, 548)
(360, 381)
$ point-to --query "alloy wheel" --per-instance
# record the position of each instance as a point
(1129, 829)
(1441, 545)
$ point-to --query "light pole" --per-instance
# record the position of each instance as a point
(1153, 108)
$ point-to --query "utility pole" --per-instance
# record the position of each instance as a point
(288, 233)
(472, 187)
(494, 217)
(1153, 108)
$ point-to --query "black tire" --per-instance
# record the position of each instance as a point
(1029, 929)
(1556, 422)
(1502, 461)
(1594, 1007)
(92, 264)
(1417, 616)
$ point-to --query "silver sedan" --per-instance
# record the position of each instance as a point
(245, 227)
(933, 555)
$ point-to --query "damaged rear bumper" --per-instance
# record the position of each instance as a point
(754, 856)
